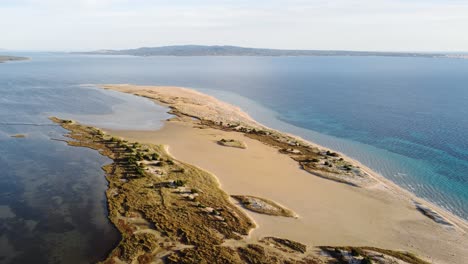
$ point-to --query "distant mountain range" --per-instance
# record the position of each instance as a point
(199, 50)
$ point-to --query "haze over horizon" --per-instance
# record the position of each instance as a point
(367, 25)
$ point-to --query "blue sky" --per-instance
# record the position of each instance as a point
(399, 25)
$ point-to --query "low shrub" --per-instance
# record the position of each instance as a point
(179, 183)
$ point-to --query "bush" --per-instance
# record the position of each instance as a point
(139, 156)
(139, 170)
(215, 212)
(181, 170)
(179, 183)
(355, 252)
(366, 260)
(154, 156)
(131, 160)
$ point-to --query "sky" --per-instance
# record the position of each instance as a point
(374, 25)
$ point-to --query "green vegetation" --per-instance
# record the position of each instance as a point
(179, 183)
(356, 252)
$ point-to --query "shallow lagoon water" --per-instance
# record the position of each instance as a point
(404, 117)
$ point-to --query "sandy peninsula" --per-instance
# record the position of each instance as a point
(179, 196)
(371, 212)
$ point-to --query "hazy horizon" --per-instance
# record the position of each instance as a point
(189, 44)
(363, 25)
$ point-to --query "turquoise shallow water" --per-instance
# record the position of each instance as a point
(406, 118)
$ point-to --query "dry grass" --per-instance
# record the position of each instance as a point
(160, 217)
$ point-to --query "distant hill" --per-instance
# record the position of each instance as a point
(11, 58)
(199, 50)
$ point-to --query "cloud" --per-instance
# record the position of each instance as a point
(333, 24)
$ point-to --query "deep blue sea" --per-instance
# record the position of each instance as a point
(406, 118)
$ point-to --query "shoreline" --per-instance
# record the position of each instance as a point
(380, 181)
(150, 210)
(379, 214)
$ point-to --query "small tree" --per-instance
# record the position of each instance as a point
(355, 252)
(179, 183)
(366, 260)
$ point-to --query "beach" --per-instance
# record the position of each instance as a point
(329, 212)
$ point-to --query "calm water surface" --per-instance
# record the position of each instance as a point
(406, 118)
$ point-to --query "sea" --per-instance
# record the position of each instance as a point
(406, 118)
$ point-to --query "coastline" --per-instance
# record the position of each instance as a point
(12, 58)
(186, 116)
(380, 181)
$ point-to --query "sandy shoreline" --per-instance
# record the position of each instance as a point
(330, 213)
